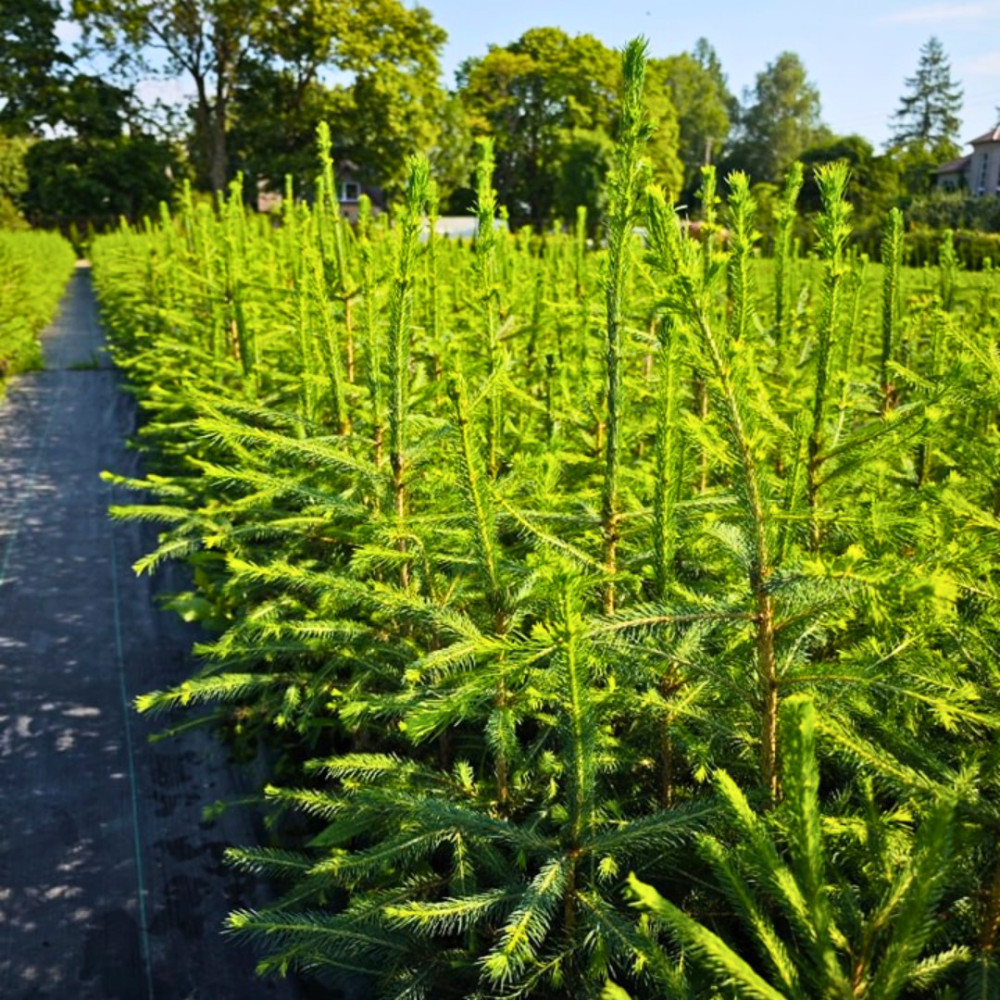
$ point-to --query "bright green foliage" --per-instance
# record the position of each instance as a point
(814, 938)
(892, 261)
(536, 96)
(785, 217)
(13, 180)
(34, 268)
(396, 465)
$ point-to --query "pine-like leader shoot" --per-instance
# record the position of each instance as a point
(400, 308)
(709, 226)
(234, 239)
(892, 262)
(580, 251)
(833, 229)
(624, 185)
(785, 218)
(743, 236)
(329, 345)
(667, 455)
(434, 325)
(331, 228)
(476, 488)
(583, 320)
(369, 318)
(707, 235)
(486, 265)
(947, 270)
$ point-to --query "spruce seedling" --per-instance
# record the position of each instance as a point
(785, 217)
(833, 230)
(625, 184)
(892, 262)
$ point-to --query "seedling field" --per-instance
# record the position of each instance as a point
(618, 619)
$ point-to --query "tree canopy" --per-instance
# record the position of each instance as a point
(550, 100)
(703, 110)
(223, 47)
(32, 63)
(259, 77)
(780, 119)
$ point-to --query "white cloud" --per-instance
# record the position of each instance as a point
(987, 64)
(938, 12)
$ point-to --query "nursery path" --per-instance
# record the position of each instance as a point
(111, 886)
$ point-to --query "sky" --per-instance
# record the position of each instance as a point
(858, 52)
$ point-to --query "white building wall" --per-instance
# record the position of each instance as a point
(984, 172)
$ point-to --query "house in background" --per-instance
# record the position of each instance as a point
(350, 188)
(979, 172)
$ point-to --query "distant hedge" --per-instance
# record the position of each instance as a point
(923, 244)
(34, 268)
(972, 247)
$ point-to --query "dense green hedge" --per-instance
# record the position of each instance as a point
(955, 210)
(34, 268)
(973, 249)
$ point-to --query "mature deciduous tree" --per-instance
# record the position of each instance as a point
(222, 45)
(205, 40)
(874, 179)
(98, 180)
(780, 119)
(706, 57)
(31, 63)
(532, 95)
(702, 110)
(547, 98)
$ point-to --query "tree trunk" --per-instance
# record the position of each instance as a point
(212, 133)
(218, 166)
(217, 156)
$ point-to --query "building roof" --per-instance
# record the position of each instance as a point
(992, 136)
(955, 166)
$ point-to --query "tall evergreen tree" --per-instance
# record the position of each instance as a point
(927, 116)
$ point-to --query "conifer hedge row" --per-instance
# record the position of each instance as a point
(621, 621)
(34, 268)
